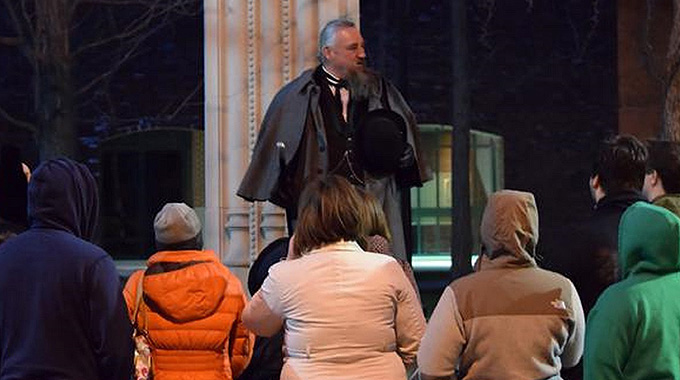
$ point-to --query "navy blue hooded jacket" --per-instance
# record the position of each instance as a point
(62, 314)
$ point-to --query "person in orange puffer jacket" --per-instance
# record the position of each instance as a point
(191, 306)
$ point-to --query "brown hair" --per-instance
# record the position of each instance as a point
(664, 157)
(621, 164)
(329, 211)
(373, 217)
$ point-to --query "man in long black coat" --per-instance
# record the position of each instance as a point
(309, 127)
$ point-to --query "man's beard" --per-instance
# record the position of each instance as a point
(363, 83)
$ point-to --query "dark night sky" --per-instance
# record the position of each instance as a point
(542, 77)
(165, 70)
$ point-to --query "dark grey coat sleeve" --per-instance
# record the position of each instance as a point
(419, 172)
(278, 140)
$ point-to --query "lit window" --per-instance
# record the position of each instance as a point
(431, 204)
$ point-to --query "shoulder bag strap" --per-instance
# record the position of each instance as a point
(138, 299)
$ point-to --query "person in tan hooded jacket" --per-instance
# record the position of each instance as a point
(509, 319)
(191, 306)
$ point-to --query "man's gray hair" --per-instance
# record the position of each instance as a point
(328, 32)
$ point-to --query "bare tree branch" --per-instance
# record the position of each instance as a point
(141, 22)
(594, 22)
(485, 35)
(183, 7)
(673, 53)
(11, 41)
(574, 29)
(19, 29)
(13, 15)
(74, 6)
(19, 123)
(122, 2)
(159, 9)
(649, 61)
(131, 52)
(186, 100)
(27, 20)
(106, 34)
(673, 70)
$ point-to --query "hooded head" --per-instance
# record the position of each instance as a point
(649, 240)
(510, 226)
(62, 195)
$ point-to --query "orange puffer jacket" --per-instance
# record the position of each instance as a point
(191, 309)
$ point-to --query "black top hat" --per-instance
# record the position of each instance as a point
(380, 141)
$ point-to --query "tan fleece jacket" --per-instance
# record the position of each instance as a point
(509, 319)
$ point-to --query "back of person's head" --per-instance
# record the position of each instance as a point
(62, 194)
(649, 240)
(375, 236)
(373, 217)
(177, 228)
(664, 158)
(329, 211)
(270, 255)
(510, 225)
(621, 164)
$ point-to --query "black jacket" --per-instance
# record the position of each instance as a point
(62, 315)
(294, 115)
(592, 249)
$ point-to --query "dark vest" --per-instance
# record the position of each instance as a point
(342, 160)
(339, 133)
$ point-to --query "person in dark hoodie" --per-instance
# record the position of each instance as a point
(62, 315)
(634, 329)
(615, 184)
(589, 253)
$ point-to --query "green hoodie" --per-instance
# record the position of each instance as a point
(633, 332)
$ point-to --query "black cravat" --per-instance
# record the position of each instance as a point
(337, 84)
(338, 97)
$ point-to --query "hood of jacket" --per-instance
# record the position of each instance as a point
(509, 228)
(184, 286)
(670, 202)
(649, 240)
(62, 195)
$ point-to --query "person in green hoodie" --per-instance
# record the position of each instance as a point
(633, 332)
(662, 178)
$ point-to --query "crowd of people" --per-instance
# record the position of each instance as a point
(342, 306)
(337, 299)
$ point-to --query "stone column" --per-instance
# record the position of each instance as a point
(252, 48)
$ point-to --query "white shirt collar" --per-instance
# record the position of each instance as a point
(349, 246)
(332, 79)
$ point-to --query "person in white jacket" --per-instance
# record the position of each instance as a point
(346, 313)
